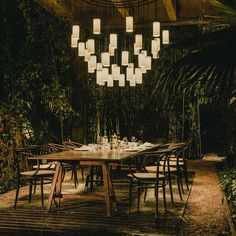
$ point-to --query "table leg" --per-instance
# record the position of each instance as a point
(105, 171)
(53, 185)
(112, 192)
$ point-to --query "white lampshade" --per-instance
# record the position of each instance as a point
(154, 46)
(74, 42)
(81, 49)
(136, 50)
(131, 65)
(122, 80)
(165, 37)
(155, 55)
(105, 58)
(132, 82)
(110, 82)
(129, 73)
(156, 29)
(90, 69)
(139, 41)
(129, 23)
(105, 73)
(143, 69)
(158, 43)
(87, 55)
(141, 60)
(96, 26)
(99, 78)
(116, 72)
(91, 46)
(99, 66)
(75, 31)
(93, 62)
(125, 58)
(113, 40)
(111, 50)
(148, 63)
(138, 76)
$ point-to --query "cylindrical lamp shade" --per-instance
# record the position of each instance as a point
(141, 60)
(87, 55)
(122, 80)
(96, 26)
(90, 69)
(148, 63)
(93, 62)
(91, 46)
(138, 76)
(165, 37)
(156, 29)
(132, 82)
(158, 43)
(105, 73)
(75, 31)
(155, 55)
(111, 51)
(129, 73)
(110, 81)
(74, 42)
(113, 40)
(129, 24)
(125, 58)
(105, 58)
(136, 50)
(154, 46)
(81, 49)
(99, 78)
(139, 41)
(99, 66)
(116, 73)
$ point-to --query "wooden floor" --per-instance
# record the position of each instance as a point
(76, 217)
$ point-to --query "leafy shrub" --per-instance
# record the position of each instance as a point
(228, 184)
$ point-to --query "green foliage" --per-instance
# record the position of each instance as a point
(228, 184)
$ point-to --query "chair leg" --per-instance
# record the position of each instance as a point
(179, 176)
(164, 193)
(130, 195)
(30, 190)
(41, 185)
(170, 187)
(82, 172)
(74, 171)
(186, 178)
(17, 193)
(35, 186)
(179, 188)
(145, 193)
(156, 197)
(139, 189)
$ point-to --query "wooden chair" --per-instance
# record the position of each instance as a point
(54, 147)
(25, 174)
(141, 179)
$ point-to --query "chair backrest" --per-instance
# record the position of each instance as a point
(72, 144)
(21, 160)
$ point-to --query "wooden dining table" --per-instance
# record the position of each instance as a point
(89, 158)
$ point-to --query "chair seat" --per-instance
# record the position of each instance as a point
(39, 173)
(44, 167)
(161, 169)
(172, 163)
(145, 175)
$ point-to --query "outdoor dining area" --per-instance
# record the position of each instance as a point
(117, 117)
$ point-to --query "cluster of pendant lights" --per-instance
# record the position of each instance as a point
(107, 73)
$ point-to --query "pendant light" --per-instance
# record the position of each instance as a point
(139, 41)
(105, 58)
(129, 24)
(156, 29)
(165, 37)
(122, 80)
(124, 58)
(97, 26)
(81, 49)
(91, 45)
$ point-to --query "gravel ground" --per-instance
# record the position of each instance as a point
(205, 213)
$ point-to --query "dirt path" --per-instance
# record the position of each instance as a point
(205, 214)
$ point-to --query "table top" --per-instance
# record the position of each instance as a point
(107, 155)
